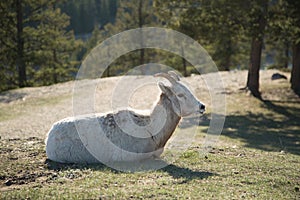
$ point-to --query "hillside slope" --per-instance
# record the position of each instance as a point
(30, 112)
(257, 155)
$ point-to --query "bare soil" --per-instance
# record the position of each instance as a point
(30, 112)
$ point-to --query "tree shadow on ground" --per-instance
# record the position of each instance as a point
(267, 131)
(175, 171)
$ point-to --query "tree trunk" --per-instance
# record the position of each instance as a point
(295, 74)
(141, 23)
(20, 45)
(253, 72)
(108, 67)
(225, 64)
(183, 62)
(226, 60)
(286, 53)
(55, 75)
(256, 49)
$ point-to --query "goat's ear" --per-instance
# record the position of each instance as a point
(166, 90)
(163, 88)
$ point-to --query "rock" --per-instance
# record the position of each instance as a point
(277, 76)
(8, 183)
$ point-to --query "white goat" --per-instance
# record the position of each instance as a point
(64, 144)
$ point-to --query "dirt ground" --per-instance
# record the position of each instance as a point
(27, 114)
(30, 112)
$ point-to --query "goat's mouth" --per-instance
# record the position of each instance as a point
(201, 108)
(201, 111)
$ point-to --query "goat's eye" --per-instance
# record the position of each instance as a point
(180, 95)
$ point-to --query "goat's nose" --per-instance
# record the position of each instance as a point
(202, 108)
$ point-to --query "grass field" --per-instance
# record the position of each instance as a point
(257, 157)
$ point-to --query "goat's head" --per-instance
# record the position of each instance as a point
(183, 101)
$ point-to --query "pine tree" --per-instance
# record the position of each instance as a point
(278, 34)
(257, 23)
(212, 23)
(8, 48)
(33, 42)
(130, 15)
(284, 31)
(294, 16)
(55, 45)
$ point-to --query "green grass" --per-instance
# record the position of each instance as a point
(224, 173)
(257, 157)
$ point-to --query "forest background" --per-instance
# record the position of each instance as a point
(43, 42)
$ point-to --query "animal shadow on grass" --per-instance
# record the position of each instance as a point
(56, 166)
(175, 171)
(188, 174)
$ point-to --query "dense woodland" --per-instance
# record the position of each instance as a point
(44, 41)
